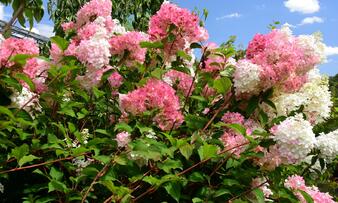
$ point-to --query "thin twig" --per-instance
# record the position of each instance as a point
(41, 164)
(247, 191)
(98, 175)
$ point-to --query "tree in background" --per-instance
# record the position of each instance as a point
(131, 13)
(23, 11)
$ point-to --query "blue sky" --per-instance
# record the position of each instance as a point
(245, 18)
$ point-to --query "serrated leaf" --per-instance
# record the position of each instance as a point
(6, 111)
(306, 196)
(222, 85)
(55, 174)
(174, 190)
(237, 127)
(27, 159)
(170, 164)
(19, 152)
(60, 42)
(207, 151)
(186, 150)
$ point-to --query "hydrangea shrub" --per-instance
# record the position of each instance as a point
(112, 115)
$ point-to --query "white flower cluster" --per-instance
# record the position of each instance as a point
(315, 96)
(118, 28)
(294, 138)
(246, 78)
(328, 145)
(26, 100)
(81, 163)
(313, 44)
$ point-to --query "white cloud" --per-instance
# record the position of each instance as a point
(3, 15)
(302, 6)
(330, 51)
(311, 20)
(232, 15)
(45, 30)
(289, 25)
(2, 12)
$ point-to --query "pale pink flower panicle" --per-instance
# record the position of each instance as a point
(186, 31)
(296, 183)
(155, 95)
(13, 46)
(122, 139)
(93, 8)
(181, 80)
(36, 69)
(129, 42)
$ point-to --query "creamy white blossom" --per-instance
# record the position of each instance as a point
(2, 188)
(26, 100)
(294, 138)
(328, 145)
(118, 28)
(315, 97)
(313, 44)
(246, 78)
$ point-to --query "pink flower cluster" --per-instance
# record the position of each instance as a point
(122, 139)
(296, 182)
(55, 53)
(36, 69)
(180, 80)
(13, 46)
(187, 29)
(283, 60)
(232, 139)
(155, 95)
(93, 8)
(130, 43)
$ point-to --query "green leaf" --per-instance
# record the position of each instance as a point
(186, 150)
(174, 190)
(20, 58)
(12, 82)
(222, 85)
(60, 42)
(221, 192)
(98, 93)
(55, 185)
(207, 151)
(27, 159)
(306, 196)
(152, 45)
(230, 182)
(19, 152)
(252, 105)
(184, 55)
(123, 127)
(195, 122)
(196, 177)
(26, 79)
(55, 174)
(170, 164)
(6, 111)
(259, 195)
(237, 127)
(195, 46)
